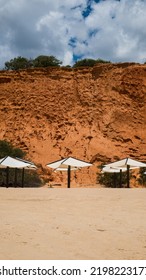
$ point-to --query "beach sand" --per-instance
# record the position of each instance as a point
(72, 224)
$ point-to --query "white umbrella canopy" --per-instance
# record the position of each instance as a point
(124, 162)
(68, 164)
(30, 165)
(15, 163)
(70, 161)
(117, 169)
(65, 168)
(113, 170)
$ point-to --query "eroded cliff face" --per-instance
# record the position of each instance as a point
(95, 114)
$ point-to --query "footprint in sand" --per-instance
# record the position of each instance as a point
(66, 232)
(102, 230)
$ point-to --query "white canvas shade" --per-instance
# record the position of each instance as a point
(15, 163)
(30, 165)
(109, 169)
(113, 170)
(70, 161)
(124, 162)
(65, 168)
(68, 164)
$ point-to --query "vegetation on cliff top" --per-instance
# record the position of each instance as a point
(89, 62)
(24, 63)
(47, 61)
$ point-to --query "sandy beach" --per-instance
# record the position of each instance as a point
(72, 224)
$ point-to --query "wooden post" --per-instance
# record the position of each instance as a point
(68, 173)
(15, 184)
(128, 177)
(115, 180)
(7, 177)
(120, 178)
(23, 178)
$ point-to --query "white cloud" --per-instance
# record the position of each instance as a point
(68, 58)
(6, 53)
(114, 30)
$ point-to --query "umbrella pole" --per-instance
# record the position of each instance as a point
(7, 177)
(23, 178)
(120, 178)
(115, 180)
(68, 172)
(128, 177)
(15, 178)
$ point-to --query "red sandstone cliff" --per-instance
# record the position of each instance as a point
(96, 114)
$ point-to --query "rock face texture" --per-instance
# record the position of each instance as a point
(95, 114)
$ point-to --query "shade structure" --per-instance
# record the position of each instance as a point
(68, 164)
(126, 161)
(17, 163)
(125, 165)
(30, 165)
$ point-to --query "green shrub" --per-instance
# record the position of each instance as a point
(46, 61)
(32, 179)
(89, 62)
(142, 177)
(23, 63)
(18, 63)
(112, 180)
(7, 149)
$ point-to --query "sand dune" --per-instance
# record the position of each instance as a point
(49, 223)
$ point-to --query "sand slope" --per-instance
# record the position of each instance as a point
(72, 224)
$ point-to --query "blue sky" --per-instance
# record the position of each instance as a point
(73, 29)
